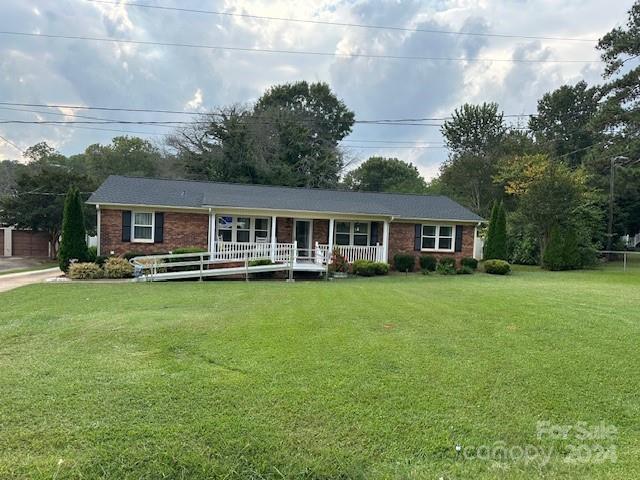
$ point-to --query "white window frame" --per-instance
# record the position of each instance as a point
(438, 237)
(134, 224)
(234, 228)
(352, 233)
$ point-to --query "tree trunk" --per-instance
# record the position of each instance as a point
(54, 240)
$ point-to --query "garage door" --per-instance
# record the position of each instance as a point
(1, 242)
(26, 243)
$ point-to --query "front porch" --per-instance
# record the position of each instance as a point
(310, 240)
(319, 255)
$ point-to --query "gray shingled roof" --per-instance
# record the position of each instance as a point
(186, 193)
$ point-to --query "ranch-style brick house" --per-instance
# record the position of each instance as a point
(150, 216)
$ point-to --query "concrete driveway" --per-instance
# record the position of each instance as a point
(15, 280)
(14, 263)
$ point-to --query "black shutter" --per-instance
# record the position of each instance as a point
(417, 244)
(459, 229)
(374, 233)
(126, 225)
(158, 234)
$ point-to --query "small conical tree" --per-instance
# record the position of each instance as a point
(496, 246)
(73, 244)
(500, 234)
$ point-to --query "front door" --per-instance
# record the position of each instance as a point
(302, 235)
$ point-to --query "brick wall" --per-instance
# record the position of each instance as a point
(321, 232)
(284, 230)
(402, 236)
(180, 230)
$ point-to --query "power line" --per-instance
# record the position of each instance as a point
(9, 142)
(388, 141)
(182, 112)
(342, 24)
(288, 52)
(403, 147)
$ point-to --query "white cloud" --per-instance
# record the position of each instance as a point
(196, 102)
(155, 77)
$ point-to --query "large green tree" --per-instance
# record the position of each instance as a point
(380, 174)
(562, 126)
(289, 137)
(38, 197)
(473, 135)
(123, 156)
(619, 119)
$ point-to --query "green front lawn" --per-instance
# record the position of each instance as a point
(366, 378)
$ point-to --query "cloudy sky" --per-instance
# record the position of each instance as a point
(81, 72)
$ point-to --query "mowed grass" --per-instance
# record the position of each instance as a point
(363, 378)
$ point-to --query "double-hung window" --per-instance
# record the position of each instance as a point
(261, 230)
(142, 227)
(437, 238)
(352, 233)
(243, 229)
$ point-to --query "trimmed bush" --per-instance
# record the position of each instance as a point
(465, 270)
(367, 268)
(428, 263)
(404, 262)
(260, 261)
(381, 268)
(73, 244)
(470, 262)
(448, 261)
(364, 268)
(84, 271)
(497, 267)
(118, 267)
(100, 259)
(446, 268)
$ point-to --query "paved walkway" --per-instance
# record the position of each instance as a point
(15, 280)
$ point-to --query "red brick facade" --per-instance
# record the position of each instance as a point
(180, 230)
(402, 240)
(191, 230)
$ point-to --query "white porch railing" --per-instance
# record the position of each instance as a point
(281, 252)
(351, 253)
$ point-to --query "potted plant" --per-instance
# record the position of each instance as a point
(339, 267)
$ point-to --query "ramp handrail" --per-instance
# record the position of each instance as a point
(224, 253)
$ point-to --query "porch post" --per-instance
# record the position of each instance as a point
(385, 242)
(330, 252)
(212, 233)
(273, 238)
